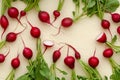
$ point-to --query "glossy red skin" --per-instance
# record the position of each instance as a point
(102, 39)
(27, 53)
(70, 62)
(44, 16)
(4, 22)
(108, 53)
(35, 32)
(118, 30)
(2, 58)
(77, 55)
(56, 55)
(11, 37)
(56, 13)
(67, 22)
(22, 13)
(15, 63)
(105, 24)
(116, 17)
(13, 12)
(93, 62)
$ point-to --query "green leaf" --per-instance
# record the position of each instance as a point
(111, 5)
(91, 3)
(24, 77)
(61, 71)
(73, 75)
(114, 39)
(82, 77)
(2, 44)
(63, 78)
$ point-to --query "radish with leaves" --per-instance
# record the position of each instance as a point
(53, 67)
(15, 63)
(47, 44)
(118, 29)
(56, 12)
(108, 53)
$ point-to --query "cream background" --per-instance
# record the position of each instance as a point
(82, 35)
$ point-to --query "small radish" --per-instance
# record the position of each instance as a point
(118, 30)
(57, 54)
(44, 17)
(108, 53)
(4, 23)
(93, 61)
(66, 22)
(115, 17)
(22, 13)
(102, 38)
(35, 32)
(2, 57)
(27, 52)
(77, 54)
(11, 36)
(56, 14)
(70, 61)
(13, 13)
(47, 44)
(15, 63)
(106, 25)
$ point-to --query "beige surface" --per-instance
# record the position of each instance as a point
(82, 35)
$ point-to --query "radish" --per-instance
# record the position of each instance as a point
(47, 44)
(93, 61)
(22, 13)
(115, 17)
(118, 30)
(70, 61)
(66, 22)
(106, 25)
(35, 32)
(56, 14)
(13, 13)
(2, 57)
(11, 36)
(108, 53)
(27, 52)
(102, 38)
(4, 23)
(57, 54)
(44, 17)
(15, 63)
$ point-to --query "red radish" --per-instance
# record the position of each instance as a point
(22, 13)
(108, 53)
(35, 32)
(57, 54)
(77, 54)
(118, 30)
(66, 22)
(11, 36)
(44, 17)
(13, 13)
(106, 25)
(2, 57)
(56, 14)
(70, 61)
(93, 61)
(27, 52)
(15, 63)
(115, 17)
(102, 38)
(4, 23)
(47, 44)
